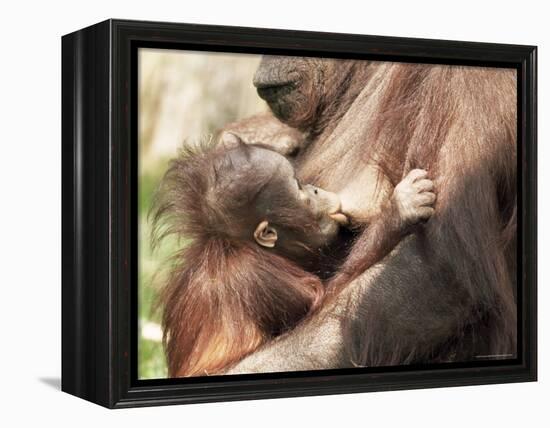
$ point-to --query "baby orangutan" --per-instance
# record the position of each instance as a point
(253, 236)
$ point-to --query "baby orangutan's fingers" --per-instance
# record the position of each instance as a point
(425, 198)
(423, 185)
(414, 175)
(424, 213)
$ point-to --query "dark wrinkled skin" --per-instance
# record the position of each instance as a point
(446, 293)
(304, 92)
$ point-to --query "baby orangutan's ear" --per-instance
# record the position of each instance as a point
(265, 235)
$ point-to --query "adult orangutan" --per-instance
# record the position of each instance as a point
(447, 292)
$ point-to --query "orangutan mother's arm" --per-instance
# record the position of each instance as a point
(266, 129)
(389, 315)
(316, 344)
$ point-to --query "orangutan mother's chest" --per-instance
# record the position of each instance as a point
(363, 188)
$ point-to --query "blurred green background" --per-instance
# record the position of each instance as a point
(183, 96)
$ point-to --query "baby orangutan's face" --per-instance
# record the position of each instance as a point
(318, 210)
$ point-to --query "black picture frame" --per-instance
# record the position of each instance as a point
(99, 296)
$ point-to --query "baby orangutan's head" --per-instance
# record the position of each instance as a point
(251, 238)
(250, 193)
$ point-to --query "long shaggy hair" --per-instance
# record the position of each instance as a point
(459, 123)
(224, 296)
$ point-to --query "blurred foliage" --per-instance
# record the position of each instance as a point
(151, 361)
(183, 96)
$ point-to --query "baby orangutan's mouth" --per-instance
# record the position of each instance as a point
(339, 218)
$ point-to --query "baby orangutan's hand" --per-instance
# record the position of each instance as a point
(413, 198)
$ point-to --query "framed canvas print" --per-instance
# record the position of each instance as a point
(253, 213)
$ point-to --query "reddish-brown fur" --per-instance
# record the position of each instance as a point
(223, 301)
(224, 296)
(447, 292)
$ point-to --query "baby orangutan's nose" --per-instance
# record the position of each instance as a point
(328, 204)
